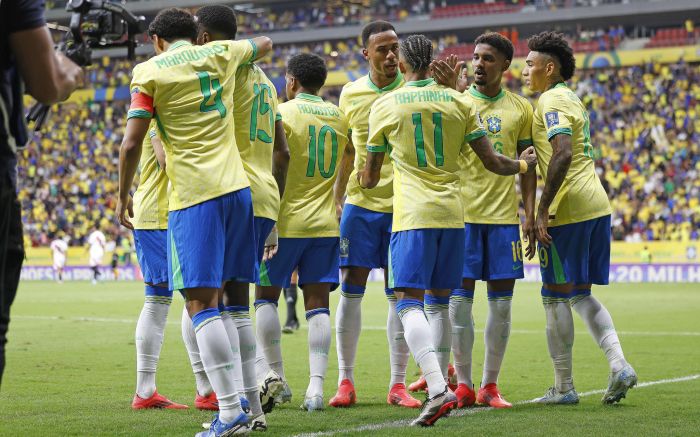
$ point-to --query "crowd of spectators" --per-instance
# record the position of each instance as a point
(645, 125)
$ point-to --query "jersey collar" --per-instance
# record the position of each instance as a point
(421, 83)
(178, 44)
(557, 85)
(309, 97)
(397, 81)
(475, 92)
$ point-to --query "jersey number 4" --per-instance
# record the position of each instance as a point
(420, 142)
(207, 85)
(317, 151)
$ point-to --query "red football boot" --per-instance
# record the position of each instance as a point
(489, 395)
(399, 396)
(209, 402)
(345, 396)
(466, 397)
(156, 401)
(421, 385)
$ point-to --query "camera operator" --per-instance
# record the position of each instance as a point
(27, 59)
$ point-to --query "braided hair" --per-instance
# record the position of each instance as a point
(417, 50)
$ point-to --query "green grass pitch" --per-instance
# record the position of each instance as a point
(71, 369)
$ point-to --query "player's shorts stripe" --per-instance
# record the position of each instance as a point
(178, 282)
(559, 275)
(390, 273)
(264, 277)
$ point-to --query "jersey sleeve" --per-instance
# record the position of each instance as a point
(242, 52)
(474, 128)
(556, 117)
(525, 134)
(142, 91)
(376, 140)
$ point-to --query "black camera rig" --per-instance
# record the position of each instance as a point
(93, 24)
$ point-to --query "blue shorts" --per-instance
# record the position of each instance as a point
(152, 253)
(316, 259)
(212, 242)
(426, 259)
(492, 252)
(579, 253)
(263, 226)
(364, 237)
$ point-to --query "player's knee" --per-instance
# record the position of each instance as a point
(468, 284)
(236, 293)
(355, 275)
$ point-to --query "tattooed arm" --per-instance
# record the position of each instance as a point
(369, 176)
(558, 167)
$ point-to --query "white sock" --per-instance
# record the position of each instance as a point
(246, 337)
(190, 339)
(418, 338)
(437, 312)
(399, 353)
(348, 322)
(150, 329)
(560, 337)
(496, 335)
(319, 321)
(462, 333)
(269, 333)
(232, 333)
(261, 367)
(217, 357)
(600, 325)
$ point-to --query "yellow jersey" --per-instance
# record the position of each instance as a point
(425, 127)
(255, 111)
(356, 99)
(487, 197)
(189, 91)
(317, 133)
(151, 196)
(581, 196)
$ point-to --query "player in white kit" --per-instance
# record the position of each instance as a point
(97, 242)
(59, 247)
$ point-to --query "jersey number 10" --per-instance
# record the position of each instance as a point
(420, 142)
(317, 151)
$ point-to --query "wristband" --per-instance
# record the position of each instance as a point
(523, 166)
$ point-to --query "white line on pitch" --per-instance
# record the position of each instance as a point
(471, 411)
(365, 328)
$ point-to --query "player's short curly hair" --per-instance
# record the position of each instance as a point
(309, 69)
(219, 19)
(378, 26)
(554, 44)
(498, 42)
(173, 23)
(417, 50)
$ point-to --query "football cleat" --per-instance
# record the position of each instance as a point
(618, 384)
(270, 388)
(209, 402)
(489, 395)
(314, 403)
(156, 401)
(554, 397)
(258, 423)
(421, 385)
(220, 429)
(466, 397)
(435, 408)
(399, 396)
(290, 326)
(345, 396)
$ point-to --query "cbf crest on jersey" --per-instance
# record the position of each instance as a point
(493, 124)
(552, 119)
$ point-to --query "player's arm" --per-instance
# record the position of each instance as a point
(280, 157)
(558, 167)
(263, 46)
(528, 190)
(370, 175)
(500, 164)
(129, 155)
(347, 163)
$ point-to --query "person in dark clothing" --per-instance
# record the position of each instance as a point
(28, 63)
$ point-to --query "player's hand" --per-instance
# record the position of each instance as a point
(124, 208)
(271, 245)
(541, 224)
(447, 73)
(338, 209)
(530, 237)
(530, 158)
